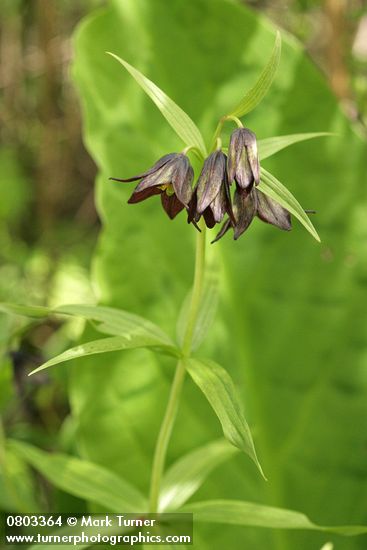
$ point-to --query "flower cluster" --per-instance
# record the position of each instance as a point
(172, 176)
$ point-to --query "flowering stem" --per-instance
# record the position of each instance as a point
(236, 120)
(218, 131)
(179, 377)
(195, 151)
(221, 122)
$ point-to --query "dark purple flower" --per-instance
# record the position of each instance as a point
(171, 177)
(211, 197)
(243, 160)
(255, 203)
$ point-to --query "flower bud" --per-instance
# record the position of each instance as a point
(243, 160)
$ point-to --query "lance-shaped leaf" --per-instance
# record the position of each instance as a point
(269, 146)
(112, 321)
(115, 343)
(25, 311)
(83, 479)
(182, 124)
(218, 387)
(116, 321)
(260, 88)
(272, 187)
(186, 475)
(250, 514)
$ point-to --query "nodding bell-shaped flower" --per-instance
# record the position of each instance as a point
(248, 205)
(243, 160)
(211, 197)
(171, 177)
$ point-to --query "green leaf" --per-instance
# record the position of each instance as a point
(186, 475)
(272, 187)
(83, 479)
(116, 321)
(255, 515)
(182, 124)
(260, 88)
(25, 311)
(269, 146)
(218, 388)
(115, 343)
(113, 321)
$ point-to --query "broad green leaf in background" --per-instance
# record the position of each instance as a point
(253, 97)
(252, 514)
(207, 309)
(272, 187)
(83, 479)
(286, 325)
(182, 124)
(270, 146)
(218, 388)
(186, 475)
(105, 345)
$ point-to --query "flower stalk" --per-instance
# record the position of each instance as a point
(179, 377)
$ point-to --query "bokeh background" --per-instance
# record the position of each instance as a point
(291, 325)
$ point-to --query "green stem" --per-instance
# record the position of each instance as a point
(219, 127)
(195, 151)
(217, 132)
(236, 120)
(177, 384)
(196, 290)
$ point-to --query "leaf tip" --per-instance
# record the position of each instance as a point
(113, 55)
(34, 371)
(316, 236)
(261, 471)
